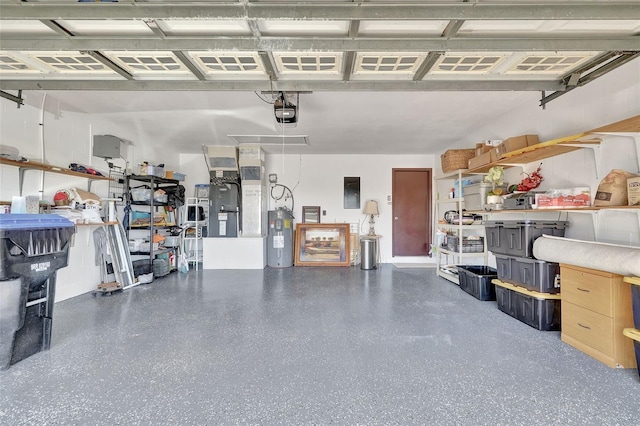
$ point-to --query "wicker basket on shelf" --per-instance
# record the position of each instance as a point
(454, 159)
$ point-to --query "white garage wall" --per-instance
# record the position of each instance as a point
(68, 139)
(319, 181)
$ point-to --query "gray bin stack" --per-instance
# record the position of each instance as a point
(512, 244)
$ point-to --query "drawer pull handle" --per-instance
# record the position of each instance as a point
(583, 289)
(584, 326)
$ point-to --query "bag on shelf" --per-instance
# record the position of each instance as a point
(612, 190)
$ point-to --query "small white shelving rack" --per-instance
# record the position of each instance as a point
(193, 230)
(447, 259)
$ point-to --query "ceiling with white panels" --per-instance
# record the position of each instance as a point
(328, 46)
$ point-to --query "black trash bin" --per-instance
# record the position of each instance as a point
(32, 248)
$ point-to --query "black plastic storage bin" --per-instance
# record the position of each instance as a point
(516, 237)
(532, 274)
(142, 267)
(541, 314)
(32, 248)
(476, 280)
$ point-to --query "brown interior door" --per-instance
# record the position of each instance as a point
(411, 206)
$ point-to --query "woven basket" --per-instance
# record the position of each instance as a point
(455, 159)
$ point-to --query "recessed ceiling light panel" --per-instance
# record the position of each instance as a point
(401, 28)
(221, 27)
(322, 65)
(149, 63)
(549, 62)
(287, 140)
(387, 65)
(467, 63)
(106, 27)
(315, 64)
(283, 27)
(233, 64)
(14, 27)
(10, 62)
(69, 62)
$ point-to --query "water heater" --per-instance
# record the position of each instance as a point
(280, 238)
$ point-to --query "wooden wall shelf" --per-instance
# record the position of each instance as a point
(541, 151)
(33, 165)
(552, 148)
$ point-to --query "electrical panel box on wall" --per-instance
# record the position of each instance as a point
(109, 146)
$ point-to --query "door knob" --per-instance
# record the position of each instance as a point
(395, 218)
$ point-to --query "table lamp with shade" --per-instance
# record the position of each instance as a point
(371, 210)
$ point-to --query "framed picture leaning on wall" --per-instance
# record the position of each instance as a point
(322, 244)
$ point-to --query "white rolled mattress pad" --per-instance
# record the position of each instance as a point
(614, 258)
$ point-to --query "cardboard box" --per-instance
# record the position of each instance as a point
(516, 143)
(481, 160)
(633, 191)
(481, 148)
(170, 174)
(532, 140)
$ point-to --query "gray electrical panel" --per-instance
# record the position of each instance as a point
(109, 146)
(280, 239)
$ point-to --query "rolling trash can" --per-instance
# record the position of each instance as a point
(32, 248)
(368, 253)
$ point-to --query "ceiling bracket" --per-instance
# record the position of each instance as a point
(599, 68)
(19, 100)
(573, 80)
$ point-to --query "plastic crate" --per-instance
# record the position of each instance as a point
(141, 194)
(539, 313)
(476, 280)
(532, 274)
(202, 190)
(468, 245)
(515, 238)
(475, 195)
(161, 267)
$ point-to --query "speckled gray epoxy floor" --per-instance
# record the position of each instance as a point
(307, 346)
